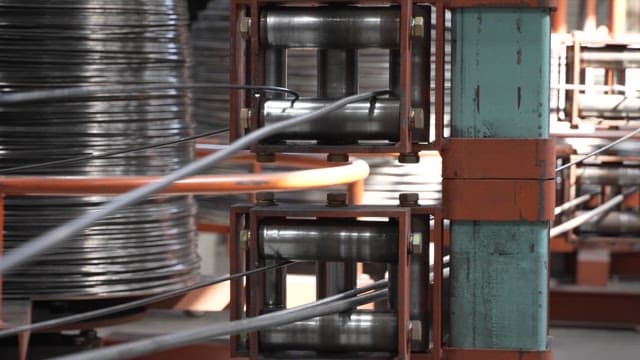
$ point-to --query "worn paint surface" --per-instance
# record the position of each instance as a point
(500, 84)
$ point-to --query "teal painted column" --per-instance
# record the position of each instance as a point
(500, 89)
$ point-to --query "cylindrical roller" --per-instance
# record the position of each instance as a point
(354, 332)
(331, 27)
(613, 223)
(609, 175)
(275, 287)
(334, 277)
(394, 72)
(363, 120)
(608, 106)
(329, 240)
(629, 58)
(337, 73)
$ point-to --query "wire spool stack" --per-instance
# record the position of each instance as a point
(211, 59)
(44, 44)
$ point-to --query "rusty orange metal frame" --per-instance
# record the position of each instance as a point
(550, 4)
(494, 354)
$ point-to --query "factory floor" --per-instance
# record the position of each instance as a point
(567, 343)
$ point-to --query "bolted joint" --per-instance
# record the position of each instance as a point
(245, 117)
(408, 199)
(265, 199)
(245, 28)
(417, 118)
(417, 26)
(243, 238)
(336, 199)
(415, 330)
(415, 243)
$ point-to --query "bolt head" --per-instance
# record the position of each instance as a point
(415, 243)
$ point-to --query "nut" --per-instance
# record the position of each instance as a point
(409, 158)
(338, 158)
(245, 28)
(336, 199)
(244, 238)
(265, 199)
(415, 330)
(417, 26)
(409, 199)
(415, 243)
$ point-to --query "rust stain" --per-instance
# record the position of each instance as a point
(476, 98)
(519, 56)
(519, 97)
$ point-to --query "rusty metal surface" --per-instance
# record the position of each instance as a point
(498, 158)
(594, 305)
(499, 200)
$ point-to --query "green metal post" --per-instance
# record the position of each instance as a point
(500, 89)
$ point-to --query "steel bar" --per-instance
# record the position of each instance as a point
(276, 69)
(328, 239)
(358, 121)
(600, 210)
(607, 175)
(613, 223)
(573, 203)
(331, 27)
(608, 106)
(168, 341)
(358, 331)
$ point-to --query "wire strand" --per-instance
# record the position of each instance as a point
(132, 304)
(113, 153)
(59, 234)
(598, 151)
(7, 98)
(276, 318)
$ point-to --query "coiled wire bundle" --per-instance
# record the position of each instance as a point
(50, 44)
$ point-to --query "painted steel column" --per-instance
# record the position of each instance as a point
(500, 89)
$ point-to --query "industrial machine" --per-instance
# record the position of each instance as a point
(490, 231)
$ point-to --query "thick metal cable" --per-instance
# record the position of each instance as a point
(58, 235)
(132, 304)
(277, 318)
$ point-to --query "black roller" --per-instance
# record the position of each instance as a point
(52, 44)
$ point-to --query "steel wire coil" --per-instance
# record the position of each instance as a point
(146, 248)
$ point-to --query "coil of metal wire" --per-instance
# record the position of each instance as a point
(50, 44)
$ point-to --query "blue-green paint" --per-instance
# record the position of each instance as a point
(500, 89)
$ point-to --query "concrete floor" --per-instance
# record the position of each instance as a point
(592, 344)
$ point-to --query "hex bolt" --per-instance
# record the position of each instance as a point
(409, 158)
(263, 157)
(415, 243)
(245, 117)
(409, 199)
(245, 28)
(417, 26)
(243, 238)
(336, 199)
(415, 330)
(265, 199)
(337, 158)
(417, 118)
